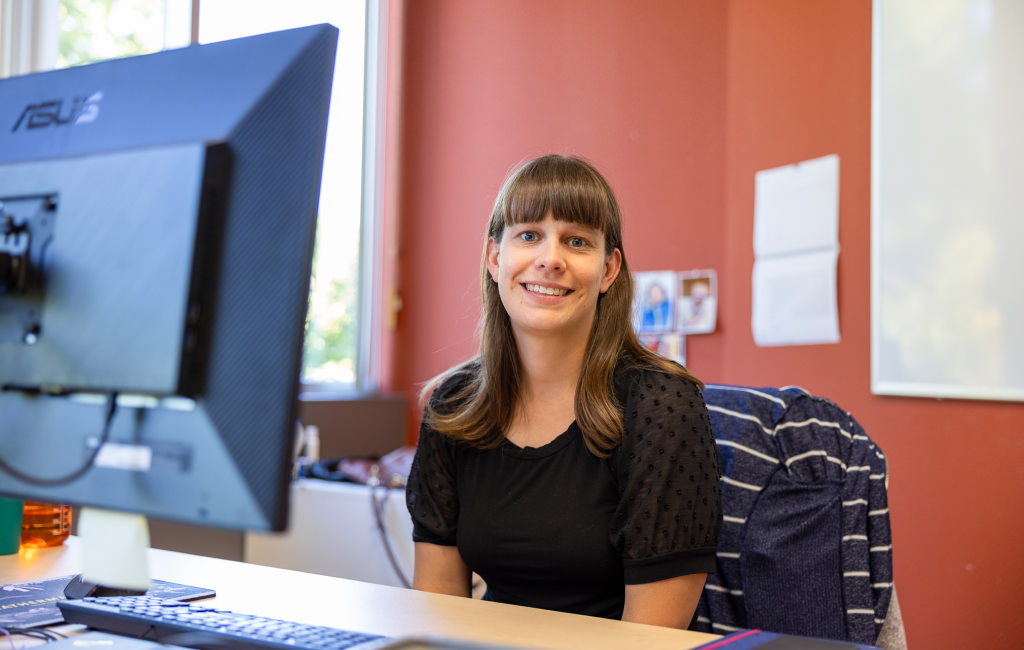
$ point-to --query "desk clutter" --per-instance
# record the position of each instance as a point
(195, 625)
(45, 524)
(390, 470)
(201, 626)
(34, 603)
(94, 639)
(32, 524)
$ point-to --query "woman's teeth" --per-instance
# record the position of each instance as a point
(546, 291)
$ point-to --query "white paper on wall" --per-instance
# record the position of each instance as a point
(796, 251)
(795, 299)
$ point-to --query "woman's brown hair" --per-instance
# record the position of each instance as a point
(571, 189)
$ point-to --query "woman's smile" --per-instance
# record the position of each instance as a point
(545, 290)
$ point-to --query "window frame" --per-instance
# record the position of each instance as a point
(29, 33)
(28, 36)
(368, 322)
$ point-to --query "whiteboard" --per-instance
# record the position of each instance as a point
(947, 199)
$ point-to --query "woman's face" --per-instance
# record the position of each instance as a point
(550, 275)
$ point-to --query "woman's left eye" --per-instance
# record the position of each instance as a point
(577, 242)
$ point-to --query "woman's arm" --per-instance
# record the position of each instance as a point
(670, 602)
(439, 569)
(667, 523)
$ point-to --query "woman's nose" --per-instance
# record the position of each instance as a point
(549, 256)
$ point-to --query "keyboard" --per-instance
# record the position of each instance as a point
(194, 625)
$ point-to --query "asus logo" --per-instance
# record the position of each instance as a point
(80, 110)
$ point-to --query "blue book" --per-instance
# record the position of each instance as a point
(771, 641)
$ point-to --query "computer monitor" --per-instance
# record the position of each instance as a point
(156, 236)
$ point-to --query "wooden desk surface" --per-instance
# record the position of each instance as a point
(366, 607)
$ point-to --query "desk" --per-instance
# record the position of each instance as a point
(365, 607)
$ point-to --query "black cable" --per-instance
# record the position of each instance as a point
(63, 480)
(378, 512)
(34, 632)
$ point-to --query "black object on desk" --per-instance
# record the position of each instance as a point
(197, 626)
(79, 588)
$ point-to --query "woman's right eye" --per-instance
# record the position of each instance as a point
(528, 236)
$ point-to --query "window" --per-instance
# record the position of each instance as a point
(93, 30)
(332, 327)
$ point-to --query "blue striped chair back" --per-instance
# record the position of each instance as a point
(806, 545)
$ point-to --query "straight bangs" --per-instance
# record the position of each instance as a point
(569, 188)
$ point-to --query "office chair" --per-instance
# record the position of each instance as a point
(806, 546)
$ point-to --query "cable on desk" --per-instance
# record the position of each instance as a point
(37, 633)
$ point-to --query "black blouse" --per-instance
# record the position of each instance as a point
(559, 528)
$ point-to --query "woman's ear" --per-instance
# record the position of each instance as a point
(612, 265)
(492, 257)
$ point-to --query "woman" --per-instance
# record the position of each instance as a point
(566, 464)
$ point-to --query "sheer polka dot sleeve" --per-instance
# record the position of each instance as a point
(670, 513)
(430, 493)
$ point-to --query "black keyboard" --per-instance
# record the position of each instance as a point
(195, 625)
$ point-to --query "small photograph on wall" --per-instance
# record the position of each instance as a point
(655, 301)
(698, 301)
(671, 346)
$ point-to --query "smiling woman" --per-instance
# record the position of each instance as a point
(569, 466)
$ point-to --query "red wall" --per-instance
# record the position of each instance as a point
(680, 102)
(799, 86)
(637, 88)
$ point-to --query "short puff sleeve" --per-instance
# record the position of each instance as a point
(430, 494)
(669, 514)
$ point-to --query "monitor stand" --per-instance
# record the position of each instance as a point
(79, 588)
(115, 548)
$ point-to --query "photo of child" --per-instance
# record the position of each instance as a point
(698, 302)
(654, 304)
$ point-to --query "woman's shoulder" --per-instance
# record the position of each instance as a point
(657, 405)
(635, 377)
(448, 389)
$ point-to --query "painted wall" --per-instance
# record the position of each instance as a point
(637, 88)
(680, 102)
(799, 86)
